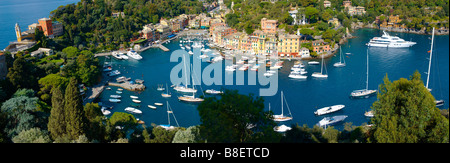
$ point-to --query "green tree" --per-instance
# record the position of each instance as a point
(125, 120)
(312, 14)
(405, 112)
(236, 118)
(70, 52)
(20, 114)
(33, 135)
(74, 111)
(22, 74)
(190, 135)
(161, 135)
(56, 122)
(50, 82)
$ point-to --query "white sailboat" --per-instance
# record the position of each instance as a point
(320, 75)
(166, 94)
(364, 92)
(282, 117)
(340, 63)
(168, 126)
(437, 102)
(192, 98)
(185, 89)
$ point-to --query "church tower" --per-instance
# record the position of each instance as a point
(18, 33)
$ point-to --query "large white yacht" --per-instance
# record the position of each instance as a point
(389, 41)
(133, 54)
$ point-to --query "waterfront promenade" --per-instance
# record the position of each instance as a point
(193, 33)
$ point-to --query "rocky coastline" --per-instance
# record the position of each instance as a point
(439, 31)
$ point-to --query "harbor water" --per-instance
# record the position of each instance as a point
(303, 96)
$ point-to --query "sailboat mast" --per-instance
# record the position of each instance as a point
(431, 55)
(321, 67)
(168, 117)
(282, 103)
(367, 73)
(185, 70)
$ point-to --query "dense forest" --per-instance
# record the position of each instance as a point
(415, 14)
(89, 24)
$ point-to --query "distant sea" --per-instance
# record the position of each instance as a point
(24, 12)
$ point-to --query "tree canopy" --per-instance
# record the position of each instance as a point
(405, 112)
(236, 118)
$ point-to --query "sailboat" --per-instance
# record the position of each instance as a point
(169, 111)
(437, 102)
(364, 92)
(185, 89)
(282, 117)
(166, 94)
(340, 63)
(320, 75)
(192, 98)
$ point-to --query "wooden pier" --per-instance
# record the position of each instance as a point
(128, 86)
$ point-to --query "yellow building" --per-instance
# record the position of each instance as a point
(288, 45)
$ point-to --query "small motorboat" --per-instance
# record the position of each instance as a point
(114, 100)
(329, 109)
(282, 128)
(213, 92)
(369, 114)
(105, 112)
(133, 110)
(331, 120)
(158, 104)
(151, 106)
(115, 96)
(136, 101)
(134, 97)
(313, 62)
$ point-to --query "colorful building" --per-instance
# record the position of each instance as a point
(288, 45)
(47, 26)
(269, 26)
(319, 46)
(150, 33)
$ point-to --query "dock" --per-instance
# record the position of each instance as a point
(128, 86)
(92, 95)
(162, 47)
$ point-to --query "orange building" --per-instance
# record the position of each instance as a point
(319, 46)
(46, 24)
(269, 26)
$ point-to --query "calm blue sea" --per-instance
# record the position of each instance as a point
(303, 97)
(24, 12)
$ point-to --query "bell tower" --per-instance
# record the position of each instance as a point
(18, 33)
